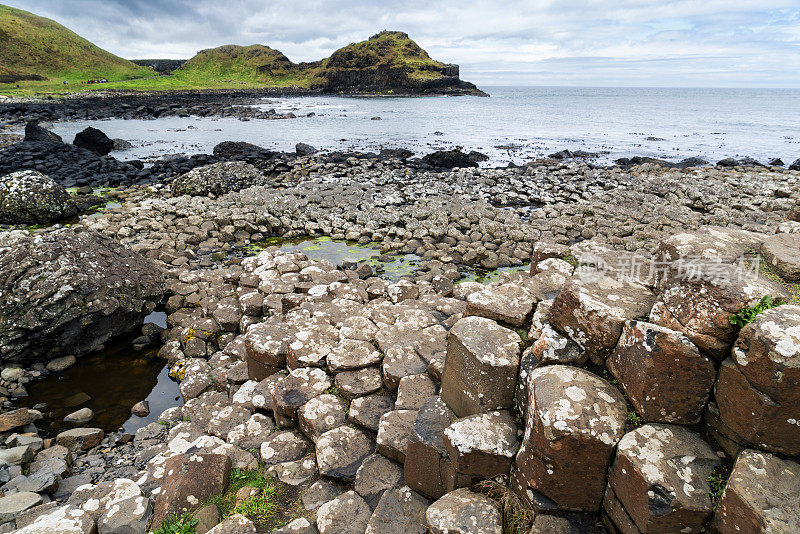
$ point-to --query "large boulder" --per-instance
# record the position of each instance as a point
(449, 159)
(665, 376)
(698, 299)
(241, 151)
(761, 496)
(593, 312)
(217, 179)
(94, 140)
(480, 370)
(69, 291)
(36, 134)
(30, 197)
(574, 421)
(659, 481)
(757, 387)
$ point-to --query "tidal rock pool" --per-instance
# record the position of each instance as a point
(109, 383)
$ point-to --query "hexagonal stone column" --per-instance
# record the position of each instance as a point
(480, 371)
(663, 373)
(659, 481)
(575, 420)
(592, 313)
(482, 445)
(761, 496)
(758, 388)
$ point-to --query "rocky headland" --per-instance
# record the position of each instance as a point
(630, 369)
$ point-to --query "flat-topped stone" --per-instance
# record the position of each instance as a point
(782, 253)
(480, 372)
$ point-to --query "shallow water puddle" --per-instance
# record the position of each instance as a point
(108, 382)
(340, 252)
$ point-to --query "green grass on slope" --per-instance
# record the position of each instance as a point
(35, 46)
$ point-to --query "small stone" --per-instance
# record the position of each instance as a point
(235, 524)
(413, 391)
(319, 493)
(376, 475)
(482, 445)
(80, 416)
(341, 451)
(394, 432)
(321, 414)
(16, 503)
(284, 446)
(400, 511)
(141, 409)
(59, 365)
(367, 411)
(80, 438)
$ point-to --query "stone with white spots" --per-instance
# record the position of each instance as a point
(663, 373)
(659, 478)
(367, 411)
(376, 475)
(480, 372)
(346, 514)
(352, 354)
(321, 414)
(482, 445)
(319, 493)
(399, 362)
(298, 526)
(593, 312)
(63, 520)
(128, 516)
(299, 387)
(414, 390)
(341, 451)
(226, 419)
(285, 446)
(574, 422)
(757, 388)
(761, 496)
(235, 524)
(464, 512)
(11, 505)
(506, 303)
(698, 300)
(394, 432)
(252, 433)
(400, 511)
(189, 481)
(354, 384)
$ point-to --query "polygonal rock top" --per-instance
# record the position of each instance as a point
(489, 342)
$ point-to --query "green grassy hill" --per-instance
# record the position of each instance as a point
(385, 63)
(36, 48)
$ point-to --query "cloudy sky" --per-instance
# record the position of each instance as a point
(739, 43)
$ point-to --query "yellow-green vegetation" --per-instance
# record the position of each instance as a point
(716, 485)
(271, 507)
(517, 518)
(40, 53)
(748, 315)
(793, 289)
(182, 524)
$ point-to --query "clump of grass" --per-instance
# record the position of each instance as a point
(178, 524)
(716, 485)
(634, 419)
(572, 260)
(748, 315)
(517, 518)
(267, 509)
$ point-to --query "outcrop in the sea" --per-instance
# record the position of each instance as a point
(217, 179)
(30, 197)
(36, 134)
(94, 140)
(68, 291)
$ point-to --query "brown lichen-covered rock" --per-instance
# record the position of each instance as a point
(758, 388)
(575, 420)
(30, 197)
(664, 375)
(464, 512)
(659, 480)
(480, 371)
(189, 481)
(217, 179)
(321, 414)
(698, 300)
(782, 253)
(68, 291)
(761, 496)
(482, 445)
(592, 313)
(708, 243)
(400, 511)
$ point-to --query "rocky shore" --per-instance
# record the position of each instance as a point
(633, 372)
